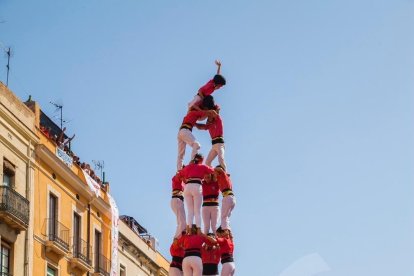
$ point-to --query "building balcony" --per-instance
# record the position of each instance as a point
(14, 209)
(102, 266)
(81, 256)
(57, 238)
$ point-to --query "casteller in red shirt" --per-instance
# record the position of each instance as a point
(177, 253)
(226, 249)
(194, 173)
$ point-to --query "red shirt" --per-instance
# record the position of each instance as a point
(176, 249)
(216, 127)
(224, 182)
(192, 117)
(211, 189)
(208, 88)
(197, 171)
(193, 242)
(226, 246)
(210, 255)
(177, 184)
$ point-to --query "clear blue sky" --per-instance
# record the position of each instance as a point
(318, 113)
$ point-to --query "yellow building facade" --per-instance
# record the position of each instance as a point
(55, 216)
(72, 226)
(18, 140)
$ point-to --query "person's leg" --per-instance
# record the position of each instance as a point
(219, 147)
(181, 216)
(211, 155)
(205, 212)
(198, 267)
(173, 271)
(228, 204)
(227, 269)
(214, 218)
(175, 207)
(188, 137)
(198, 201)
(181, 151)
(187, 270)
(189, 203)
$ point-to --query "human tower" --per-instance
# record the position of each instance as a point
(197, 252)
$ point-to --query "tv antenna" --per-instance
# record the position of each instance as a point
(99, 166)
(59, 107)
(8, 53)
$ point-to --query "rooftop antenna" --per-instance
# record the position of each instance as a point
(59, 106)
(8, 53)
(99, 166)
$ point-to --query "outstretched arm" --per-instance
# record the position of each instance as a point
(218, 63)
(201, 126)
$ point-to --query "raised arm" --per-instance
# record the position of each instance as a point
(218, 63)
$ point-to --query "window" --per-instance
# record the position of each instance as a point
(51, 271)
(53, 216)
(4, 259)
(76, 234)
(122, 271)
(8, 173)
(98, 250)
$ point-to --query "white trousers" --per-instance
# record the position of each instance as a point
(173, 271)
(192, 266)
(210, 217)
(177, 205)
(194, 101)
(216, 150)
(193, 197)
(227, 205)
(186, 137)
(228, 269)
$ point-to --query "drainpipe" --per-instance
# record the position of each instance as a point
(88, 234)
(26, 239)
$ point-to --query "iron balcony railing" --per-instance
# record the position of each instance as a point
(58, 233)
(14, 204)
(82, 250)
(102, 265)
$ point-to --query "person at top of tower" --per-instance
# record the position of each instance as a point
(177, 203)
(193, 174)
(210, 209)
(225, 242)
(215, 128)
(229, 200)
(192, 244)
(216, 83)
(185, 135)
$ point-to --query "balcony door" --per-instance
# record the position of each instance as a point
(98, 250)
(77, 234)
(53, 216)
